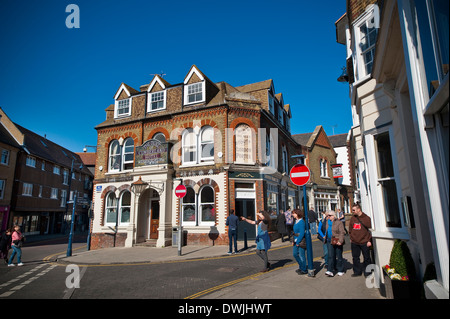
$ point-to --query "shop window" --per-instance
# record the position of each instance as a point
(199, 209)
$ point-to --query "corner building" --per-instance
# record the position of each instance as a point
(230, 146)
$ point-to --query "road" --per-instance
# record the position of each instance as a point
(42, 279)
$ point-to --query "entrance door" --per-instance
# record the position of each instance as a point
(154, 219)
(246, 208)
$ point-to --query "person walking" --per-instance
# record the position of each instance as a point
(281, 225)
(341, 216)
(299, 243)
(5, 245)
(312, 219)
(263, 243)
(289, 222)
(17, 239)
(323, 237)
(335, 239)
(232, 223)
(360, 240)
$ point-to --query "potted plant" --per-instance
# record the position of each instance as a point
(400, 275)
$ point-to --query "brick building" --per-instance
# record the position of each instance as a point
(35, 174)
(230, 146)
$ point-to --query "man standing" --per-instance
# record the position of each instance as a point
(312, 219)
(232, 223)
(289, 221)
(360, 239)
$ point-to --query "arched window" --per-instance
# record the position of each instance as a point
(125, 207)
(160, 137)
(114, 156)
(189, 145)
(111, 208)
(244, 144)
(207, 143)
(323, 168)
(189, 207)
(206, 206)
(128, 154)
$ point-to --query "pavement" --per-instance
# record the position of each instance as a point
(279, 283)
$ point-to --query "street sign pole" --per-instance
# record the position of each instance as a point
(69, 246)
(180, 192)
(304, 177)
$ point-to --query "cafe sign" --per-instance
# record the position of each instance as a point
(152, 152)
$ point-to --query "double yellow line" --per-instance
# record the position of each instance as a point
(49, 257)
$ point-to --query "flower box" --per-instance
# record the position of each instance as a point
(400, 289)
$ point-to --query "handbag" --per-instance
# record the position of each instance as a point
(334, 240)
(303, 243)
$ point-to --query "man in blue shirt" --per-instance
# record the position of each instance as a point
(232, 223)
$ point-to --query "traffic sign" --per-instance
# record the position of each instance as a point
(300, 174)
(180, 191)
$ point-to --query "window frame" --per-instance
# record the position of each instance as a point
(150, 101)
(30, 161)
(186, 93)
(117, 107)
(4, 160)
(117, 154)
(124, 153)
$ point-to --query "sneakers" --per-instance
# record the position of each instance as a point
(329, 274)
(340, 273)
(11, 265)
(20, 264)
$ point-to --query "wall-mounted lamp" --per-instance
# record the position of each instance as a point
(344, 76)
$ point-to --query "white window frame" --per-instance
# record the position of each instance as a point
(5, 157)
(66, 176)
(27, 189)
(112, 207)
(183, 205)
(63, 198)
(116, 154)
(206, 143)
(284, 159)
(251, 155)
(56, 170)
(191, 147)
(122, 207)
(323, 168)
(117, 105)
(186, 93)
(31, 161)
(372, 12)
(154, 95)
(201, 222)
(2, 188)
(124, 152)
(54, 193)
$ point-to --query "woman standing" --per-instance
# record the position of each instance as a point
(281, 225)
(298, 247)
(17, 239)
(5, 245)
(335, 241)
(263, 243)
(322, 237)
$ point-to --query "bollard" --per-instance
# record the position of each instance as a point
(245, 238)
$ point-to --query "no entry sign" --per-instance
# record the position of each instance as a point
(300, 174)
(180, 191)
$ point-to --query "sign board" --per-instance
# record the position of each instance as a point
(152, 152)
(337, 170)
(300, 174)
(180, 191)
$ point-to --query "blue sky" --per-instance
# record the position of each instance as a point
(59, 81)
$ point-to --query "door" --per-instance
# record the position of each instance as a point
(154, 219)
(246, 208)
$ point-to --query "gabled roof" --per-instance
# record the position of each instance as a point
(310, 139)
(200, 74)
(338, 140)
(158, 79)
(263, 85)
(41, 147)
(128, 90)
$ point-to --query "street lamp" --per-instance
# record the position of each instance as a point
(137, 188)
(74, 204)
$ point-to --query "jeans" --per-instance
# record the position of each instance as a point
(325, 254)
(299, 255)
(359, 268)
(335, 260)
(232, 236)
(313, 228)
(18, 251)
(263, 254)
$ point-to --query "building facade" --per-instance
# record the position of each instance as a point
(40, 177)
(397, 64)
(230, 146)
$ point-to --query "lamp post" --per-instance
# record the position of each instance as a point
(74, 204)
(309, 253)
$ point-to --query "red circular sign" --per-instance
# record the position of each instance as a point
(300, 174)
(180, 191)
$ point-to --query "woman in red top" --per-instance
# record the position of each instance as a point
(16, 246)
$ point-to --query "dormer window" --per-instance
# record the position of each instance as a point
(195, 93)
(157, 101)
(123, 108)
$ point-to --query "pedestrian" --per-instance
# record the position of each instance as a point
(335, 240)
(17, 240)
(322, 237)
(263, 243)
(232, 223)
(312, 218)
(5, 245)
(289, 222)
(360, 240)
(281, 225)
(341, 217)
(299, 243)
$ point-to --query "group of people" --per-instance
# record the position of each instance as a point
(331, 231)
(12, 238)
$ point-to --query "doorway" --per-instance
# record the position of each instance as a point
(246, 208)
(148, 216)
(154, 218)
